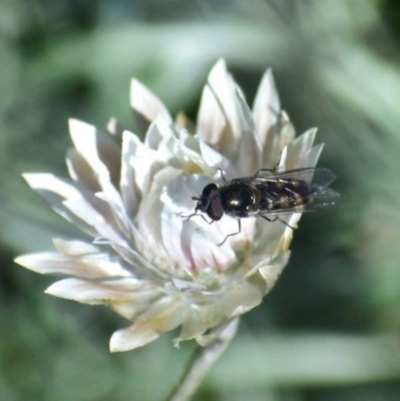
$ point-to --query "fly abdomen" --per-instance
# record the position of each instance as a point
(283, 194)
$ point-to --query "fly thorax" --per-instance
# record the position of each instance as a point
(236, 198)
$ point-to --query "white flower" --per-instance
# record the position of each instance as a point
(144, 260)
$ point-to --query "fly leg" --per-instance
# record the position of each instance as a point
(277, 218)
(271, 171)
(196, 214)
(232, 234)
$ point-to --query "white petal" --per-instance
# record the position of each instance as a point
(133, 337)
(266, 107)
(130, 192)
(147, 103)
(74, 247)
(115, 129)
(144, 161)
(164, 315)
(312, 156)
(224, 331)
(218, 119)
(104, 227)
(159, 129)
(98, 292)
(96, 147)
(92, 266)
(80, 171)
(298, 149)
(211, 120)
(88, 142)
(206, 253)
(248, 158)
(271, 271)
(224, 88)
(278, 137)
(239, 297)
(199, 321)
(149, 215)
(175, 244)
(55, 190)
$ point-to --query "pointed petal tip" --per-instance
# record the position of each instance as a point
(22, 260)
(129, 339)
(36, 180)
(78, 126)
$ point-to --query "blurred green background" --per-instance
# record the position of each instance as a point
(330, 329)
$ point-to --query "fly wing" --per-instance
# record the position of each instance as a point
(319, 177)
(322, 199)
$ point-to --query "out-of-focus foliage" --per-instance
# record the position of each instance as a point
(329, 330)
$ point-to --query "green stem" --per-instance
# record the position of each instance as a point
(202, 361)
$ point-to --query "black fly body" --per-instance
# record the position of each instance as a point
(267, 194)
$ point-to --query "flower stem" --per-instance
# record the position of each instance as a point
(202, 361)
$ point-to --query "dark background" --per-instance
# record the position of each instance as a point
(330, 329)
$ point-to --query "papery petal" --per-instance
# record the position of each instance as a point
(182, 121)
(211, 121)
(248, 158)
(56, 190)
(106, 228)
(74, 247)
(93, 266)
(130, 192)
(149, 215)
(311, 157)
(218, 120)
(80, 171)
(146, 105)
(266, 107)
(271, 271)
(200, 319)
(239, 297)
(164, 315)
(299, 147)
(206, 253)
(133, 337)
(99, 150)
(97, 292)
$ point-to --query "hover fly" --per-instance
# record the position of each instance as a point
(267, 194)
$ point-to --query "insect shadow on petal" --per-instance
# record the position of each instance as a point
(267, 194)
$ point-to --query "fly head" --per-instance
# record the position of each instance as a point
(210, 202)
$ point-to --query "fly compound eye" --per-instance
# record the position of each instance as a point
(210, 202)
(215, 210)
